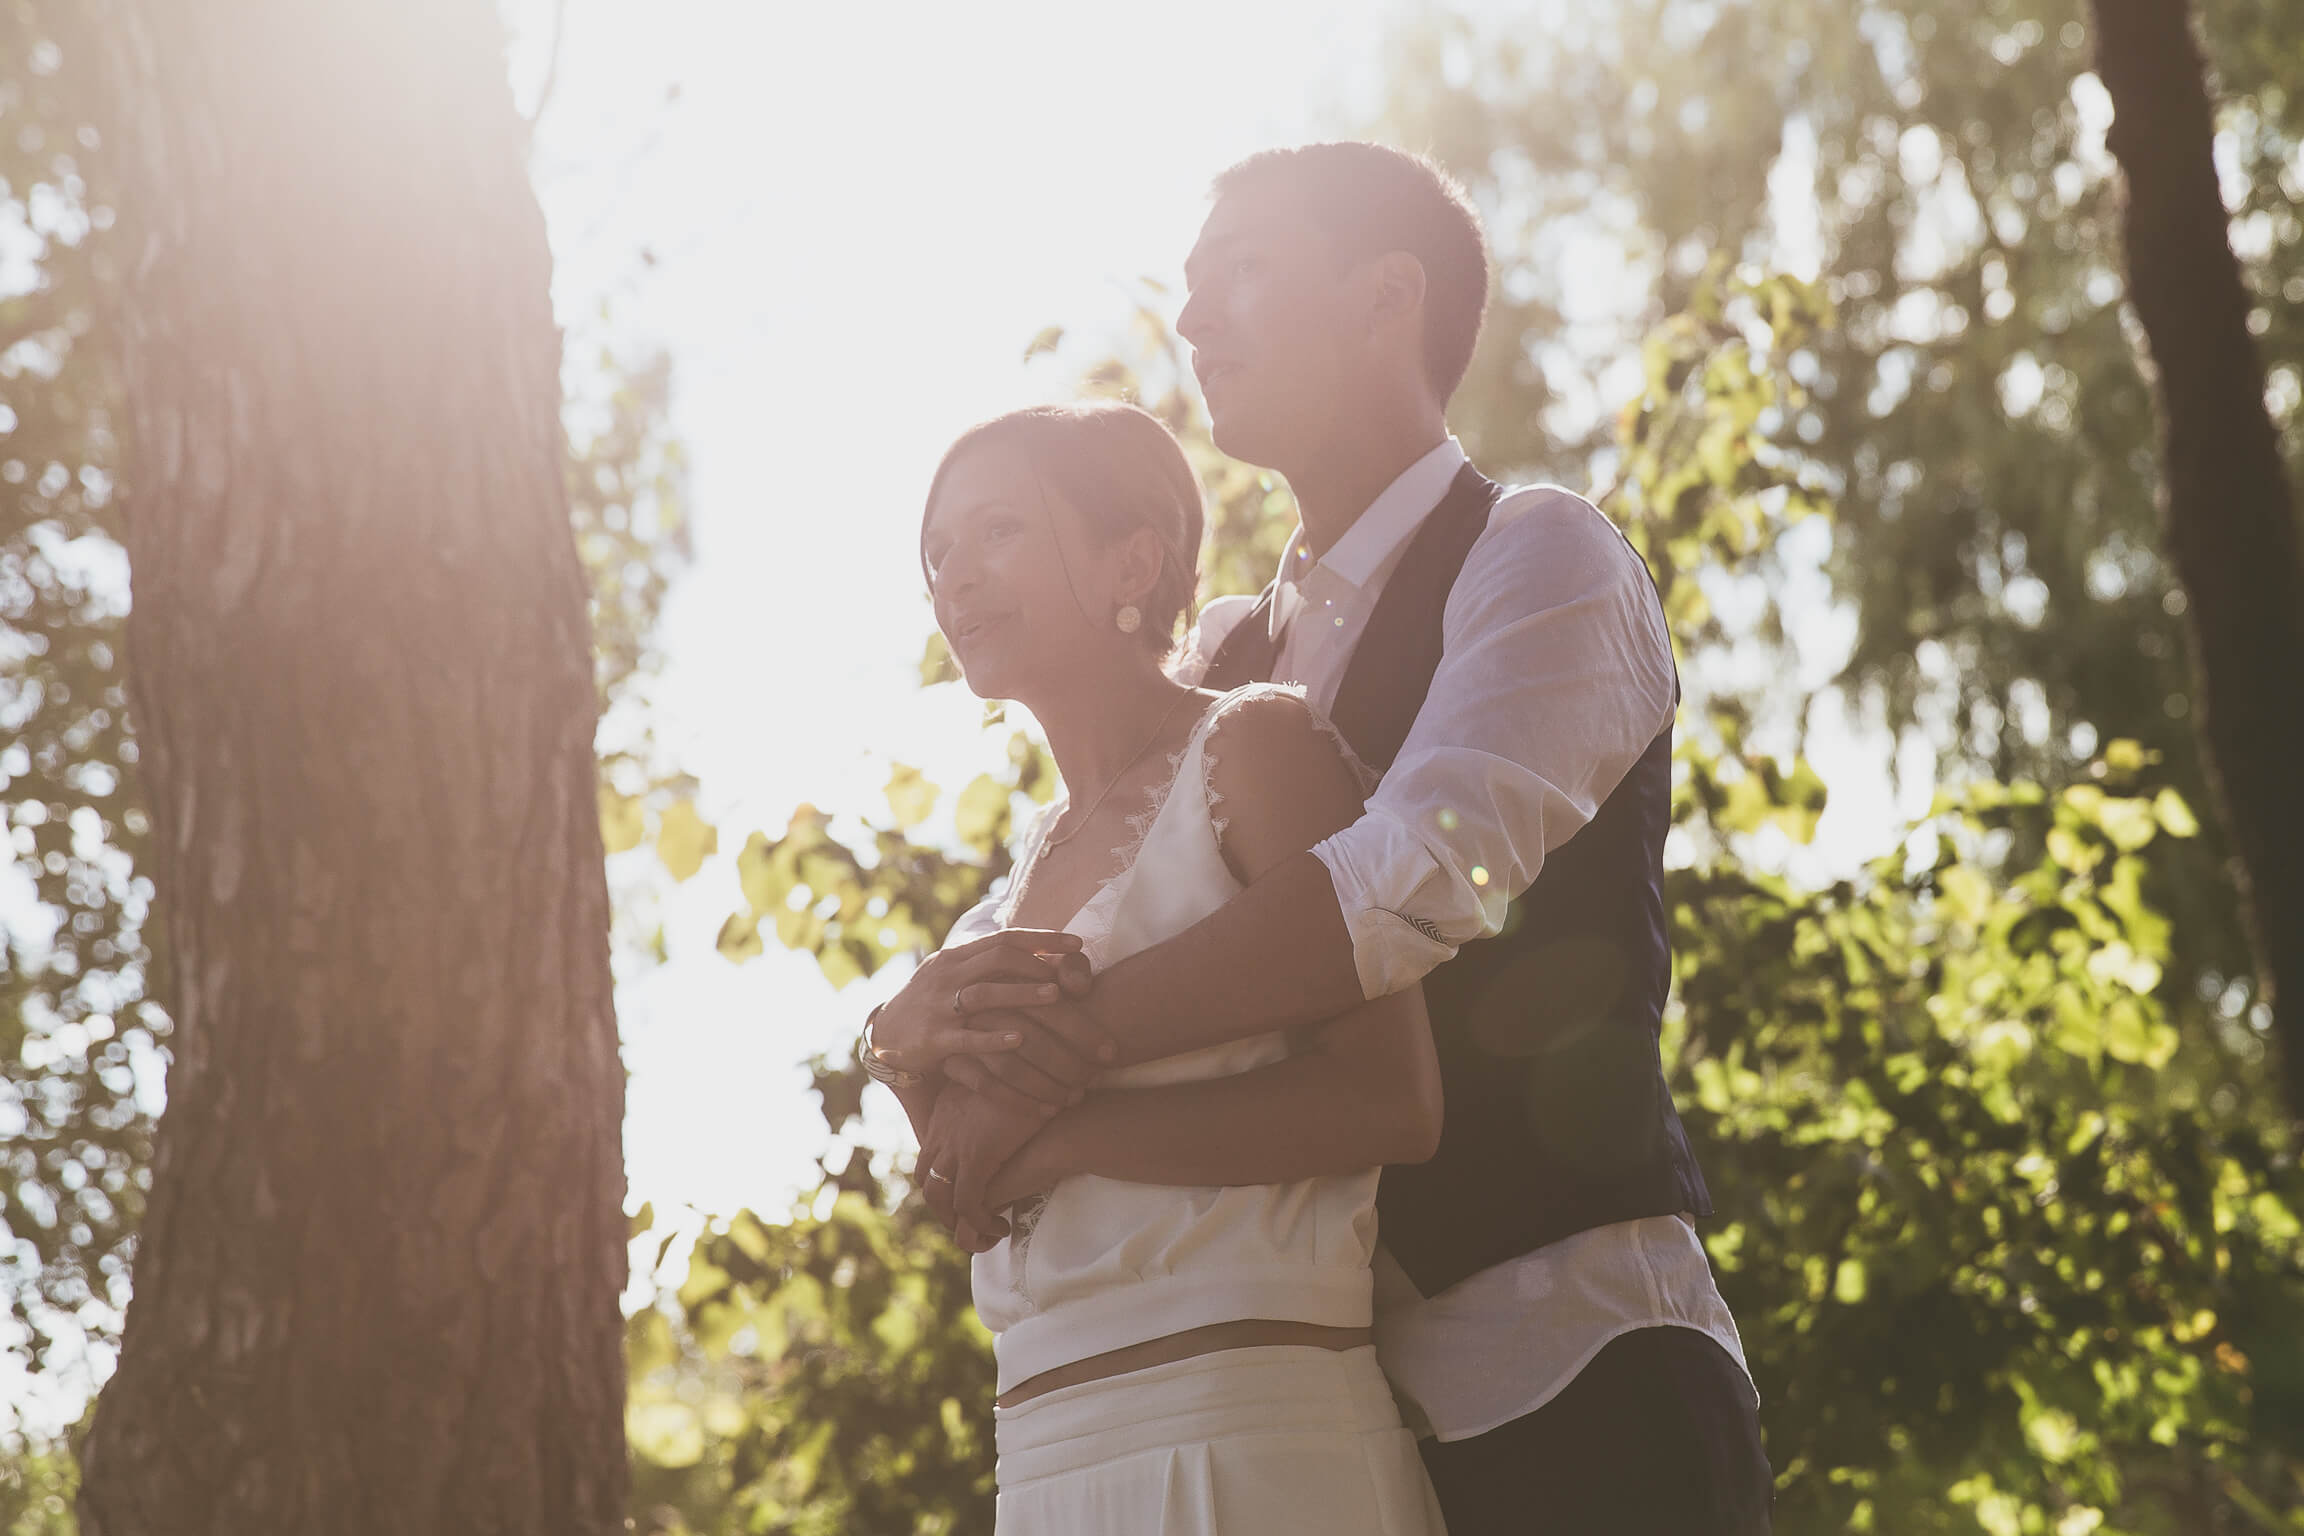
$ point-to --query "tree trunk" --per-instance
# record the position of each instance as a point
(2230, 516)
(376, 1289)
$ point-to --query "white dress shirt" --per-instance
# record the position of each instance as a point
(1555, 675)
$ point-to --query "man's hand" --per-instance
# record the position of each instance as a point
(1038, 1167)
(970, 1138)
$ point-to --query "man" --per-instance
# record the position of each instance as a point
(1502, 659)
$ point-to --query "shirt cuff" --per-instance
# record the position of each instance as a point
(1379, 869)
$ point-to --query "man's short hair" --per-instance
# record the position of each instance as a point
(1370, 199)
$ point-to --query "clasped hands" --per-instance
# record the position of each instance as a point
(1000, 1029)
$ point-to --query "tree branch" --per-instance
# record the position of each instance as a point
(2230, 514)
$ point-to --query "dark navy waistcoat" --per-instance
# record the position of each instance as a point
(1557, 1115)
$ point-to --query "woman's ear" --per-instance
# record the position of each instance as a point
(1137, 562)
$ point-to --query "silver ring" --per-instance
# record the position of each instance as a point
(935, 1174)
(956, 1008)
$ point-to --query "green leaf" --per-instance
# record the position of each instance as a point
(1848, 1282)
(1746, 806)
(2176, 818)
(2129, 824)
(839, 966)
(764, 876)
(910, 796)
(684, 840)
(739, 938)
(1800, 797)
(622, 823)
(1967, 894)
(936, 663)
(981, 813)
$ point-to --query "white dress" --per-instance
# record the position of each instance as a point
(1270, 1439)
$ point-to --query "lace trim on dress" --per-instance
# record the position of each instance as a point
(1139, 824)
(1156, 796)
(1023, 1217)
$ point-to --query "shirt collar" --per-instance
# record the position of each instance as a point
(1391, 519)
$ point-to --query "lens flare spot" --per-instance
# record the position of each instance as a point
(1479, 874)
(1449, 820)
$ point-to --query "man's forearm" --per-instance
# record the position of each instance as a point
(1310, 1115)
(1277, 954)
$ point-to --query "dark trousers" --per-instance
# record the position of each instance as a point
(1658, 1434)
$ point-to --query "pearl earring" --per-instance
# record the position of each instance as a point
(1128, 618)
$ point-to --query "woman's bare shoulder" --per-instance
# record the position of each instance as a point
(1279, 777)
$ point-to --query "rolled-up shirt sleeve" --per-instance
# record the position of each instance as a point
(1555, 676)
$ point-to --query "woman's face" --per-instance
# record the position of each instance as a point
(1009, 601)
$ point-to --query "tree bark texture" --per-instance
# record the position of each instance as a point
(376, 1289)
(2231, 517)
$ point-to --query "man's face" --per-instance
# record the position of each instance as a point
(1270, 322)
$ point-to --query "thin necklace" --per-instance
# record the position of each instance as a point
(1048, 844)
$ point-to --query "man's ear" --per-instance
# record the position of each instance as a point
(1397, 290)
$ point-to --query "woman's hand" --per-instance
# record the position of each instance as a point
(930, 1021)
(998, 1000)
(1060, 1037)
(969, 1139)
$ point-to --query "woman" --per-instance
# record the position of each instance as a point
(1180, 1349)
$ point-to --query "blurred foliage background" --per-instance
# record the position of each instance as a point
(2009, 1205)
